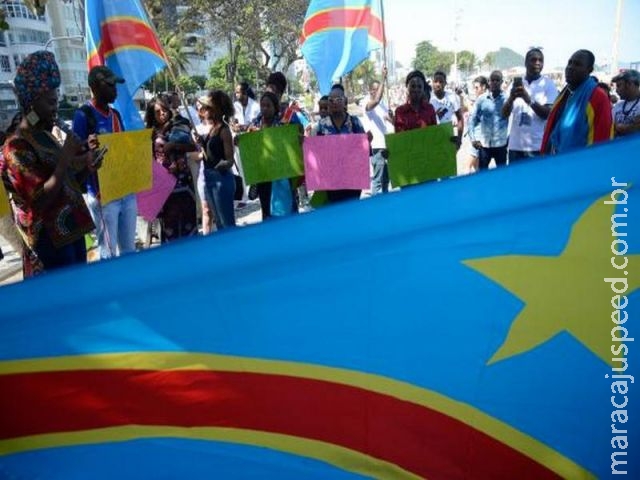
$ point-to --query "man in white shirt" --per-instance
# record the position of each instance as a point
(377, 120)
(528, 107)
(447, 104)
(247, 108)
(626, 113)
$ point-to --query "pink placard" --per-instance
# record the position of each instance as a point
(150, 202)
(335, 162)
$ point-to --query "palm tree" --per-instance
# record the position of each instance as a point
(177, 59)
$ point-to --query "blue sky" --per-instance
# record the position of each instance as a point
(560, 26)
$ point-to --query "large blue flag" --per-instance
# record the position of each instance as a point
(119, 35)
(339, 34)
(478, 327)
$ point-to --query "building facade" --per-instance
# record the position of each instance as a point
(60, 30)
(66, 19)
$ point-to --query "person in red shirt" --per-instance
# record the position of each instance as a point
(417, 112)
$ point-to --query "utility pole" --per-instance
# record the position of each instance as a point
(457, 12)
(616, 39)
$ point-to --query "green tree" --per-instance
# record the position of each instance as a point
(357, 81)
(467, 61)
(218, 73)
(429, 59)
(265, 32)
(3, 19)
(187, 84)
(200, 81)
(489, 60)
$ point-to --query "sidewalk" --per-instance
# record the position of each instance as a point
(11, 264)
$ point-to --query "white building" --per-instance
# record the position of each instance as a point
(27, 33)
(67, 28)
(59, 30)
(201, 59)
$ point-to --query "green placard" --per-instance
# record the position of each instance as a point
(416, 156)
(271, 154)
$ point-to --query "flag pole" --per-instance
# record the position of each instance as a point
(384, 53)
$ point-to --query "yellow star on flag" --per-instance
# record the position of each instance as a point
(567, 292)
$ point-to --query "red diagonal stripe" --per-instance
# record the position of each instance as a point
(343, 18)
(124, 33)
(411, 436)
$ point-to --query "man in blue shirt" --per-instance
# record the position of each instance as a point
(115, 221)
(488, 129)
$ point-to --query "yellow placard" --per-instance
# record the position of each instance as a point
(127, 165)
(4, 201)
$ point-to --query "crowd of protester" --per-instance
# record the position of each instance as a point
(55, 194)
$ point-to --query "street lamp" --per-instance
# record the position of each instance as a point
(55, 39)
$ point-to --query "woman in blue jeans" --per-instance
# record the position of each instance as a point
(219, 184)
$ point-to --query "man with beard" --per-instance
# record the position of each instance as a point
(581, 116)
(528, 105)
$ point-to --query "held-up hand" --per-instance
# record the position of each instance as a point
(93, 142)
(369, 136)
(524, 95)
(520, 92)
(390, 116)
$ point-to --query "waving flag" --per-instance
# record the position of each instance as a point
(338, 35)
(443, 332)
(120, 36)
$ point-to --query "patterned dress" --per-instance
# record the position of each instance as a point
(29, 161)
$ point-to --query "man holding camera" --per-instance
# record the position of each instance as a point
(528, 105)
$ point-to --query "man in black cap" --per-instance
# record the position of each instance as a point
(626, 113)
(115, 221)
